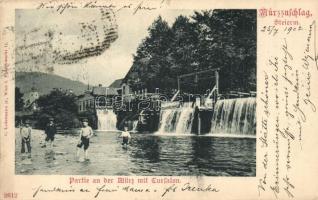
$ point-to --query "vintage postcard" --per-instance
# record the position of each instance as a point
(158, 99)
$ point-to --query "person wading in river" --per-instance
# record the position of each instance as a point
(50, 131)
(85, 134)
(126, 137)
(25, 132)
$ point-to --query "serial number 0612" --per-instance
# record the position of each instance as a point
(10, 195)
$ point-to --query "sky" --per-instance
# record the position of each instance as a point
(113, 63)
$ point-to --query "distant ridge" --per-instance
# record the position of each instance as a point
(44, 83)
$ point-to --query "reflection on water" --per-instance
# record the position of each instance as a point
(147, 154)
(173, 155)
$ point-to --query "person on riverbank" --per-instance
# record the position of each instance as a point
(50, 131)
(85, 134)
(25, 132)
(126, 136)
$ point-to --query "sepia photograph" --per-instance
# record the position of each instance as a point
(164, 93)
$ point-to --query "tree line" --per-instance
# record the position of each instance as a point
(224, 39)
(58, 104)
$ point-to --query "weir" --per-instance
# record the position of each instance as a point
(205, 113)
(177, 120)
(106, 119)
(234, 116)
(229, 117)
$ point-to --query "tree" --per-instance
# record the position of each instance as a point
(184, 46)
(227, 39)
(61, 106)
(18, 99)
(210, 39)
(151, 61)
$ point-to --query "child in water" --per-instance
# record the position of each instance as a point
(85, 134)
(126, 137)
(50, 131)
(25, 132)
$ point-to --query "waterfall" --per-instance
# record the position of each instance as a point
(135, 124)
(168, 118)
(106, 119)
(234, 116)
(184, 124)
(177, 120)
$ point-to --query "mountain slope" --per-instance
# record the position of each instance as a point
(44, 83)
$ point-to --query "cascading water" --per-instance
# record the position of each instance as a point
(184, 124)
(168, 118)
(106, 119)
(177, 120)
(234, 116)
(135, 126)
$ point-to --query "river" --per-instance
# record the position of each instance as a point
(147, 154)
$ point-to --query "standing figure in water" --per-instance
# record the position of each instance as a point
(85, 134)
(25, 132)
(126, 137)
(50, 131)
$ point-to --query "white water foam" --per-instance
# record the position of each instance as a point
(106, 120)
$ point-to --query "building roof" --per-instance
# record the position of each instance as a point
(87, 95)
(100, 90)
(116, 84)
